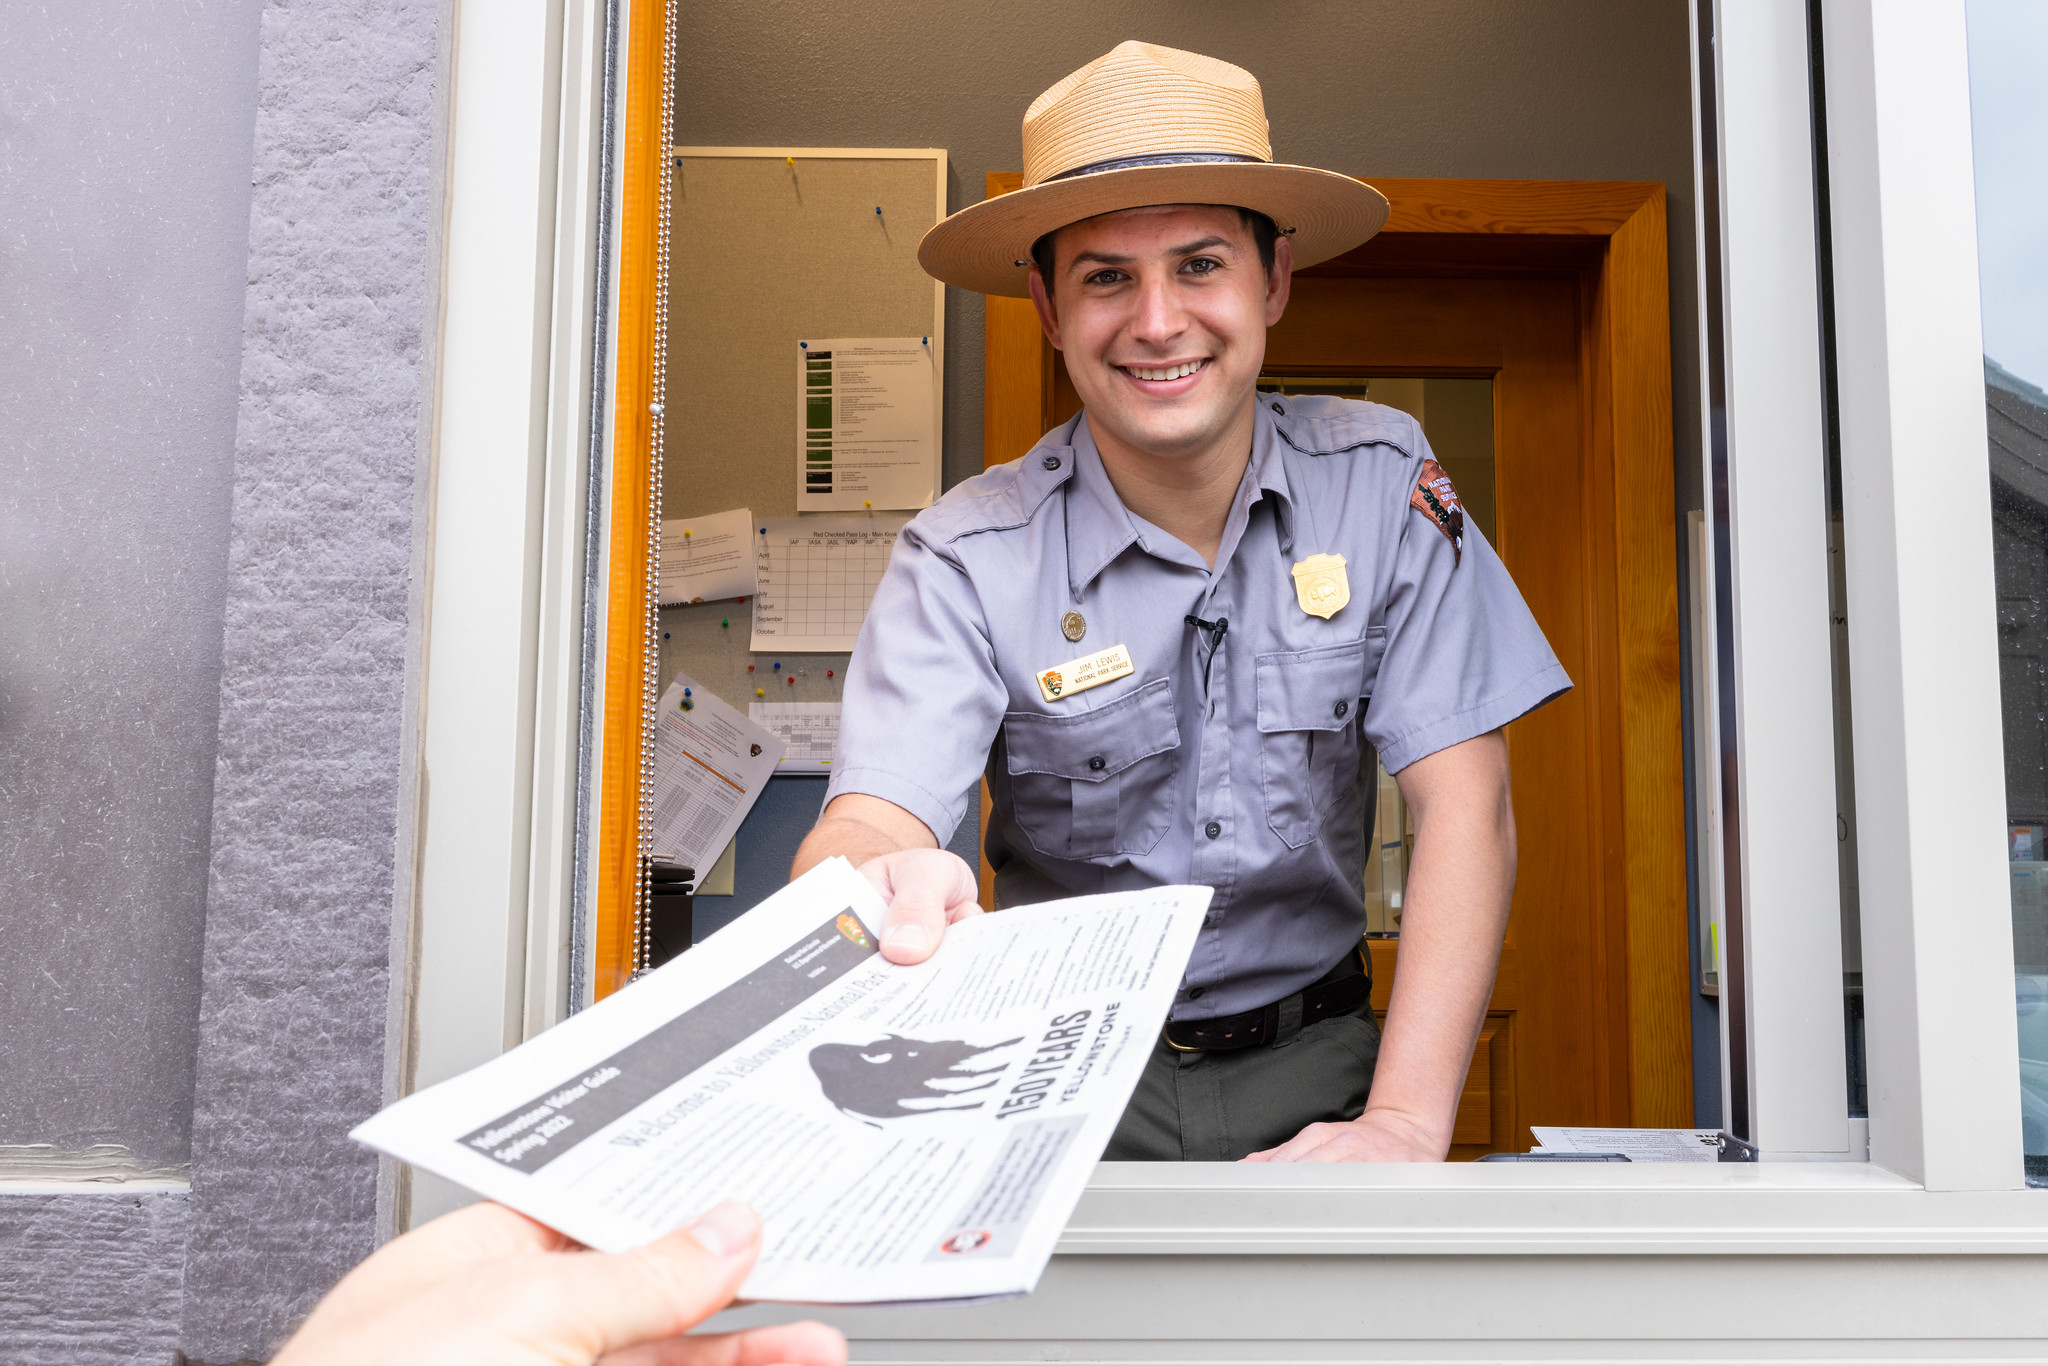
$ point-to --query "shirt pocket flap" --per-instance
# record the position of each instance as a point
(1094, 745)
(1311, 689)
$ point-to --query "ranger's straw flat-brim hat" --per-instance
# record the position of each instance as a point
(1147, 125)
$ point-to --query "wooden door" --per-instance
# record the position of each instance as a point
(1556, 292)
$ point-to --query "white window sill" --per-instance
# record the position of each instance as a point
(1509, 1209)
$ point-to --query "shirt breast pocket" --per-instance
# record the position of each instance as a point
(1309, 704)
(1097, 784)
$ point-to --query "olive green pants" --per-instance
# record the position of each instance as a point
(1219, 1107)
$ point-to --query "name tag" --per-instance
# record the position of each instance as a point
(1079, 675)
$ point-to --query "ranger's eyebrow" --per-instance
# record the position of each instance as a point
(1103, 258)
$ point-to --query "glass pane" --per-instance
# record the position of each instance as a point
(2008, 72)
(1457, 416)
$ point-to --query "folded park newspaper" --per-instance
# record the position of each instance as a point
(906, 1133)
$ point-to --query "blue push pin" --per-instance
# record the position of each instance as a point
(778, 666)
(686, 692)
(878, 210)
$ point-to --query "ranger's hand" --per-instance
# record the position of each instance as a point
(1375, 1136)
(927, 890)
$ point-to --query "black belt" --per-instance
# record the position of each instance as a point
(1340, 991)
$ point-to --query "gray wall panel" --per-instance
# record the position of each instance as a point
(312, 788)
(123, 231)
(90, 1280)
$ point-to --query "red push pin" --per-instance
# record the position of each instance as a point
(791, 682)
(828, 673)
(750, 668)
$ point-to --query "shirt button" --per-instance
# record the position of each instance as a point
(1278, 409)
(1342, 708)
(1213, 829)
(1051, 462)
(1195, 993)
(1097, 764)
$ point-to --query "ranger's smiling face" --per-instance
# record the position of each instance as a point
(1162, 315)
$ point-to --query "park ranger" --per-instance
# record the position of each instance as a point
(1175, 634)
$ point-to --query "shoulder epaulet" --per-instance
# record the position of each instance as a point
(1003, 496)
(1322, 424)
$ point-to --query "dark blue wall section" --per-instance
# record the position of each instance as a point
(767, 842)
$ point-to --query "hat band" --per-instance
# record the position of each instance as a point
(1157, 159)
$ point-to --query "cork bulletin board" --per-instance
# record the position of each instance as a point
(769, 245)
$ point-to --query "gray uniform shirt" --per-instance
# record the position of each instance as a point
(1238, 760)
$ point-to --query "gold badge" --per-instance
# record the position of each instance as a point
(1079, 675)
(1073, 626)
(1320, 585)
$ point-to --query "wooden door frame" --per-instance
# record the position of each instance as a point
(1610, 237)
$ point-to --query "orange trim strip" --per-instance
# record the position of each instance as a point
(618, 816)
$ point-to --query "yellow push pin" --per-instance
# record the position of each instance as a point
(865, 502)
(760, 692)
(686, 533)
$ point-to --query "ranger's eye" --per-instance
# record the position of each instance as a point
(1105, 277)
(1203, 265)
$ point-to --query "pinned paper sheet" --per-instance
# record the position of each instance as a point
(814, 578)
(707, 558)
(867, 424)
(709, 765)
(810, 730)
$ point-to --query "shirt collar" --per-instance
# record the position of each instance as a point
(1100, 527)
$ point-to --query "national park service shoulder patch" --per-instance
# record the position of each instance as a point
(1435, 499)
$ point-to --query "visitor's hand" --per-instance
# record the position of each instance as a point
(1375, 1136)
(486, 1285)
(927, 890)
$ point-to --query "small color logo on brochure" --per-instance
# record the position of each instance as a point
(850, 926)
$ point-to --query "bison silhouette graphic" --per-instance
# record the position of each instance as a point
(895, 1077)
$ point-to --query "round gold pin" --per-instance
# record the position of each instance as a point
(1073, 626)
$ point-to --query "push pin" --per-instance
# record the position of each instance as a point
(792, 682)
(878, 210)
(865, 502)
(686, 533)
(724, 622)
(664, 635)
(686, 692)
(750, 668)
(760, 692)
(778, 666)
(828, 673)
(791, 161)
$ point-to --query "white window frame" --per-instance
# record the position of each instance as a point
(1250, 1247)
(506, 589)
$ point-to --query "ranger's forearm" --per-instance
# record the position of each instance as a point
(1455, 911)
(840, 836)
(857, 828)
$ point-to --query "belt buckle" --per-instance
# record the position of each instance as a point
(1165, 1033)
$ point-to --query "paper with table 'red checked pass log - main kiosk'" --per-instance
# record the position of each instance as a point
(906, 1133)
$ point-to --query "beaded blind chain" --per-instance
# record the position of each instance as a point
(650, 649)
